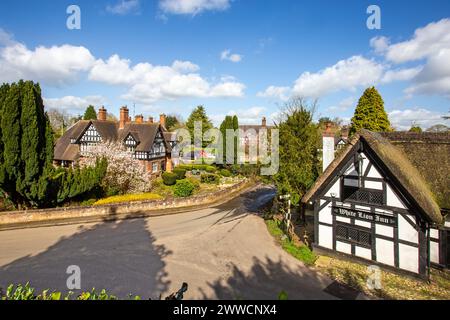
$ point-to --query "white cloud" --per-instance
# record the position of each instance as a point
(73, 103)
(404, 119)
(124, 7)
(228, 56)
(345, 75)
(56, 65)
(343, 105)
(379, 44)
(281, 93)
(148, 83)
(193, 7)
(252, 115)
(427, 41)
(6, 38)
(401, 74)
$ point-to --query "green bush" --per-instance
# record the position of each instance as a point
(169, 178)
(210, 178)
(180, 172)
(195, 182)
(225, 173)
(211, 169)
(184, 188)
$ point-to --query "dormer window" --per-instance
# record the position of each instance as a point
(130, 143)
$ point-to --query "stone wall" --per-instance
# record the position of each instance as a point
(71, 215)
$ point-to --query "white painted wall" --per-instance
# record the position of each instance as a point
(408, 258)
(343, 247)
(363, 253)
(434, 252)
(385, 251)
(326, 237)
(406, 231)
(334, 190)
(363, 223)
(392, 199)
(325, 215)
(384, 230)
(374, 173)
(373, 185)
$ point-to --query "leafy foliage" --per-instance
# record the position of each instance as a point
(184, 188)
(225, 173)
(199, 115)
(128, 198)
(298, 150)
(416, 129)
(169, 178)
(230, 123)
(210, 178)
(180, 172)
(172, 122)
(370, 113)
(26, 145)
(90, 113)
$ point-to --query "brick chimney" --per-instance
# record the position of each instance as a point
(328, 146)
(102, 114)
(150, 119)
(124, 117)
(162, 120)
(264, 121)
(139, 119)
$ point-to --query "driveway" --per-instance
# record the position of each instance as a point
(222, 252)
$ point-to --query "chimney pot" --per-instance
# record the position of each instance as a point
(327, 146)
(124, 117)
(264, 121)
(150, 120)
(162, 120)
(102, 113)
(139, 119)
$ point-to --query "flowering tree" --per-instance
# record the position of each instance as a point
(125, 174)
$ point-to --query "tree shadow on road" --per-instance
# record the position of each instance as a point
(266, 280)
(121, 257)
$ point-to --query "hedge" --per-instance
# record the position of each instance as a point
(180, 172)
(184, 188)
(210, 178)
(169, 178)
(225, 173)
(128, 198)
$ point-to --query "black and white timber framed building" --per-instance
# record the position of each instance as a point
(386, 198)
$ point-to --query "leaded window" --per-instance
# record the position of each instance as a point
(353, 235)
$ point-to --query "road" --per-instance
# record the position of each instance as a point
(223, 252)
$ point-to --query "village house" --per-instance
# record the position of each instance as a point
(385, 199)
(250, 137)
(147, 141)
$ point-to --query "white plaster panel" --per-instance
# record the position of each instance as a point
(385, 251)
(364, 224)
(408, 258)
(325, 215)
(343, 219)
(373, 185)
(383, 230)
(343, 247)
(392, 199)
(363, 253)
(434, 233)
(406, 231)
(326, 237)
(447, 224)
(366, 208)
(374, 173)
(335, 189)
(434, 252)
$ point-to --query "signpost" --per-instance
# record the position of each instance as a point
(287, 216)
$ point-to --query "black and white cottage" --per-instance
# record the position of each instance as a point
(386, 198)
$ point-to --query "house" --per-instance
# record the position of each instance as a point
(386, 199)
(147, 141)
(249, 137)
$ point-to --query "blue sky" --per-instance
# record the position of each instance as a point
(242, 57)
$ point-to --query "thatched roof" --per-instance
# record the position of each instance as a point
(412, 177)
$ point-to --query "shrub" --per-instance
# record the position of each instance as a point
(180, 172)
(129, 198)
(169, 178)
(183, 188)
(225, 173)
(210, 178)
(195, 182)
(210, 169)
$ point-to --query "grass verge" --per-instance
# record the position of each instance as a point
(129, 198)
(393, 286)
(298, 251)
